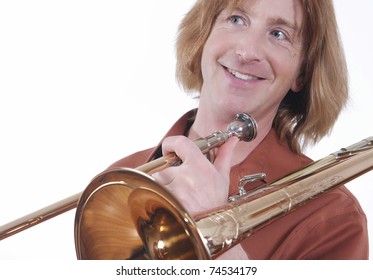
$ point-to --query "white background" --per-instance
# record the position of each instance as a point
(84, 83)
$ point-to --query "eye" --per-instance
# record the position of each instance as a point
(279, 35)
(237, 20)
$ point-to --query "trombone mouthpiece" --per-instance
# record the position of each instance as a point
(244, 127)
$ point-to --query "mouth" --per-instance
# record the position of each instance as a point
(242, 76)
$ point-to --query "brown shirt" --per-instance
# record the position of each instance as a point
(332, 226)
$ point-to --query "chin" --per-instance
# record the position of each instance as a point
(237, 108)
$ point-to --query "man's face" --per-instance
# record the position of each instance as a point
(252, 57)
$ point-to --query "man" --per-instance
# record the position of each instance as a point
(282, 63)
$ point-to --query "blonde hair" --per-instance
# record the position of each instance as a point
(304, 117)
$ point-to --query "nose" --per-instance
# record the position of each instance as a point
(250, 46)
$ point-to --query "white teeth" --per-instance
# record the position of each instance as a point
(241, 76)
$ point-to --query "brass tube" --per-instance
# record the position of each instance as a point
(207, 235)
(230, 224)
(244, 127)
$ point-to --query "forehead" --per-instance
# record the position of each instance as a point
(289, 11)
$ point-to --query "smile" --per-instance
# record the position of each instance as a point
(242, 76)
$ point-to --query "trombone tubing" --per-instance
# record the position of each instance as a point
(39, 216)
(243, 127)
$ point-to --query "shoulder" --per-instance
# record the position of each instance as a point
(275, 158)
(144, 156)
(134, 160)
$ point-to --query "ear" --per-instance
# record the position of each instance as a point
(298, 84)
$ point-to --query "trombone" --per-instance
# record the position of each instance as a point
(243, 127)
(125, 214)
(153, 225)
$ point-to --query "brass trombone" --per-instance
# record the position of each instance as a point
(125, 214)
(153, 225)
(244, 127)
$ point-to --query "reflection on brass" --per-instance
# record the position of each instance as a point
(212, 233)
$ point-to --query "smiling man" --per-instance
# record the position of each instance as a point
(281, 62)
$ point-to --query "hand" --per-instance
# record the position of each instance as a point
(198, 184)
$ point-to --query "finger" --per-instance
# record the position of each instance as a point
(165, 177)
(223, 160)
(184, 148)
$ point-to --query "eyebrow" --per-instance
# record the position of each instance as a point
(284, 22)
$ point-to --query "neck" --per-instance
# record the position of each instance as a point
(208, 120)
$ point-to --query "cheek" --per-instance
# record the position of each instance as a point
(287, 71)
(208, 60)
(213, 48)
(204, 63)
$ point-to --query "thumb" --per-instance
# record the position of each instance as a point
(224, 156)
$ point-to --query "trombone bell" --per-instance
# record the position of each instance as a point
(105, 223)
